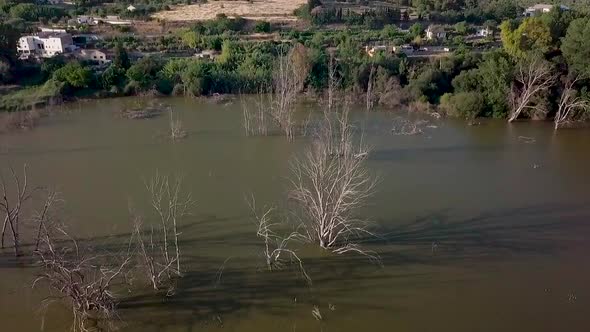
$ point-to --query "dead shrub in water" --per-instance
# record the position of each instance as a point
(277, 253)
(158, 249)
(82, 279)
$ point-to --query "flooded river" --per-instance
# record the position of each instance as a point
(481, 228)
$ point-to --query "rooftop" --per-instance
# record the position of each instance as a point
(51, 34)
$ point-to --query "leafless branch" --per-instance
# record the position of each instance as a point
(170, 205)
(570, 103)
(276, 246)
(533, 76)
(83, 281)
(330, 184)
(176, 128)
(11, 206)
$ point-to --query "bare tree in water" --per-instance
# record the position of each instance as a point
(11, 206)
(256, 120)
(44, 220)
(81, 278)
(570, 103)
(289, 74)
(533, 76)
(176, 128)
(170, 204)
(277, 252)
(330, 183)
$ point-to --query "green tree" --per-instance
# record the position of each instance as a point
(467, 105)
(389, 32)
(25, 11)
(495, 74)
(8, 40)
(576, 45)
(262, 27)
(49, 66)
(113, 76)
(461, 28)
(191, 38)
(144, 72)
(416, 30)
(74, 75)
(532, 35)
(121, 59)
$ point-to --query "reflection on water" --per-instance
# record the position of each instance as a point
(479, 229)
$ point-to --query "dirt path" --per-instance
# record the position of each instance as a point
(269, 10)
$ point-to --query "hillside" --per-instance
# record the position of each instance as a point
(269, 10)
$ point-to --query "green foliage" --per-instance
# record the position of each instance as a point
(144, 72)
(8, 41)
(430, 84)
(50, 65)
(262, 27)
(33, 12)
(73, 75)
(191, 38)
(467, 105)
(28, 97)
(533, 35)
(576, 46)
(112, 76)
(416, 30)
(461, 28)
(121, 59)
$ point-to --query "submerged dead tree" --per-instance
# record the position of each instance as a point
(570, 103)
(330, 183)
(11, 206)
(158, 248)
(82, 280)
(288, 80)
(176, 128)
(256, 120)
(277, 253)
(533, 77)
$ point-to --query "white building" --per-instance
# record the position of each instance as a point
(92, 55)
(542, 8)
(435, 32)
(45, 44)
(484, 32)
(131, 8)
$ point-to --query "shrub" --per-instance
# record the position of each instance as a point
(467, 105)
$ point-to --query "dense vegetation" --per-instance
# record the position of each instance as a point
(466, 83)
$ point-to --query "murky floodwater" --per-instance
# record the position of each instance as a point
(508, 217)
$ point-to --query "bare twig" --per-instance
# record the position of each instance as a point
(533, 76)
(11, 205)
(330, 183)
(570, 103)
(276, 246)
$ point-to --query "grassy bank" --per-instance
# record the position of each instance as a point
(31, 97)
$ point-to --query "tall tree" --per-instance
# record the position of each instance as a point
(576, 46)
(121, 57)
(533, 35)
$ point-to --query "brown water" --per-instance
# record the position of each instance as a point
(510, 219)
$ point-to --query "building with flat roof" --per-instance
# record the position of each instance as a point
(45, 44)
